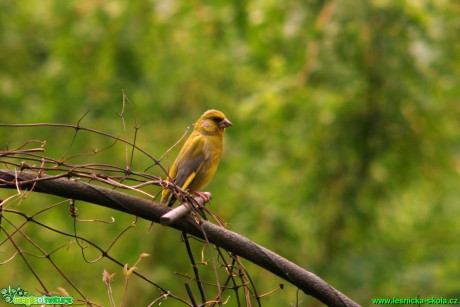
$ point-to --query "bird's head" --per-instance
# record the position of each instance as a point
(212, 122)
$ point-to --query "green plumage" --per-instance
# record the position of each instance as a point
(199, 158)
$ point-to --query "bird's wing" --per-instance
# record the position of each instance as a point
(189, 161)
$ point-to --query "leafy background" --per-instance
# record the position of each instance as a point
(344, 154)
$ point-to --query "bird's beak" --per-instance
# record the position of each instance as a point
(225, 123)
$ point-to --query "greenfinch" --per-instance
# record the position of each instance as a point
(199, 158)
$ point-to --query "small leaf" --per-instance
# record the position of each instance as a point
(107, 278)
(127, 272)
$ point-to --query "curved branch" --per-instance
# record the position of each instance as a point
(308, 282)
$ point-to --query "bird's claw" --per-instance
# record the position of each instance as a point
(206, 196)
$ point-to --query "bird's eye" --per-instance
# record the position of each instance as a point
(217, 119)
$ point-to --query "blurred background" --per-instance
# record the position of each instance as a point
(344, 156)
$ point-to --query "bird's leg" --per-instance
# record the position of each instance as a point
(205, 195)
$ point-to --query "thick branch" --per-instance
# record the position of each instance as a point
(150, 210)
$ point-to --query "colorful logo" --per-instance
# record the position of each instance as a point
(19, 296)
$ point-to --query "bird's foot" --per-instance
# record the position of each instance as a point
(206, 196)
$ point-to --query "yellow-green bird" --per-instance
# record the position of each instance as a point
(199, 158)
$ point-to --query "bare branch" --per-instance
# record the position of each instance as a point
(236, 244)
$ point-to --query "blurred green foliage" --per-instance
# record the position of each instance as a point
(344, 154)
